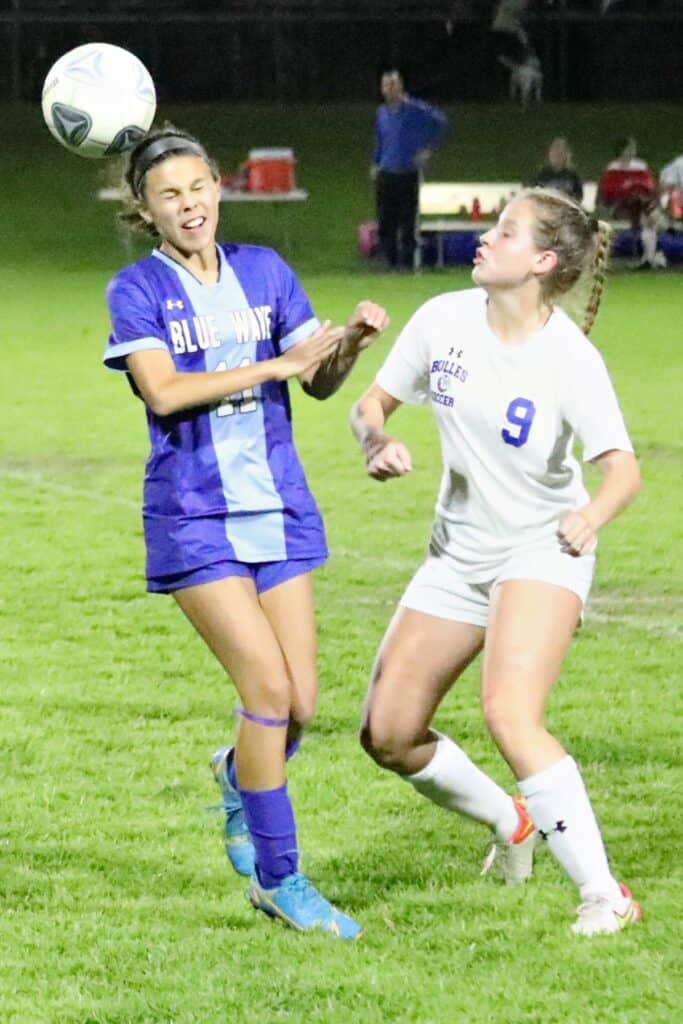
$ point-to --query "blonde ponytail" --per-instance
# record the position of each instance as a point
(597, 272)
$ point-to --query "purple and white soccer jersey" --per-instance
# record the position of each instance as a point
(222, 482)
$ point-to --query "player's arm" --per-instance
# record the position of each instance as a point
(167, 391)
(618, 487)
(385, 457)
(363, 327)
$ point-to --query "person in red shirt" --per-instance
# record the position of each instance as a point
(628, 190)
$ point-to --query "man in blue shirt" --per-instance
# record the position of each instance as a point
(407, 131)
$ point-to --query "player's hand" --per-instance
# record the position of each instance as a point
(310, 352)
(367, 322)
(577, 536)
(388, 460)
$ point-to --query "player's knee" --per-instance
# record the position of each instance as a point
(508, 724)
(385, 744)
(270, 699)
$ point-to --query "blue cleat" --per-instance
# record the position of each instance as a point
(238, 845)
(298, 904)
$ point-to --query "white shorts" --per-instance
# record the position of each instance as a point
(437, 588)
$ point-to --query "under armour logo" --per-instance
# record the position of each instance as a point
(559, 827)
(174, 304)
(452, 350)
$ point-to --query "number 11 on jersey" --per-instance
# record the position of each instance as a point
(243, 401)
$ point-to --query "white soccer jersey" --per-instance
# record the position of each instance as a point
(507, 415)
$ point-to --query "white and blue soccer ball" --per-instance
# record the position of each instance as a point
(98, 100)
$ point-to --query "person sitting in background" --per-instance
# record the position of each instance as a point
(627, 185)
(628, 189)
(558, 172)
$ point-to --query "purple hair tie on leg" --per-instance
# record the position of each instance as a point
(273, 723)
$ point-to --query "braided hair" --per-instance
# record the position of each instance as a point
(580, 242)
(598, 274)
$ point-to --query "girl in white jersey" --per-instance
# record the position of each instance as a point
(510, 379)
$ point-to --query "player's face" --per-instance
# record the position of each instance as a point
(181, 199)
(507, 256)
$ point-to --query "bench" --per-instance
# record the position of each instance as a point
(448, 234)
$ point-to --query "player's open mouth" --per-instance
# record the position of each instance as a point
(194, 224)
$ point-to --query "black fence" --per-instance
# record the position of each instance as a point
(307, 50)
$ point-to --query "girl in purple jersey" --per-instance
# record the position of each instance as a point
(238, 565)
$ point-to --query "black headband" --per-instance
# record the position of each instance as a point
(152, 152)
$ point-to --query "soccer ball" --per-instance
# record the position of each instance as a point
(98, 100)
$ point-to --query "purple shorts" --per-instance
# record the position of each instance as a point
(264, 574)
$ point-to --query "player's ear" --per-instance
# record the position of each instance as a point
(545, 261)
(145, 214)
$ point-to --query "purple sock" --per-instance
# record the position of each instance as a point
(270, 820)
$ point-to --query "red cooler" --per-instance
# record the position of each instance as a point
(270, 170)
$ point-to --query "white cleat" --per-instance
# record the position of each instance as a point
(516, 858)
(602, 915)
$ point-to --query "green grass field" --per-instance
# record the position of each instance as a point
(116, 902)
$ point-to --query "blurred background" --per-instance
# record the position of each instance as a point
(510, 75)
(306, 50)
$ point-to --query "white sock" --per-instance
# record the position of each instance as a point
(451, 780)
(559, 807)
